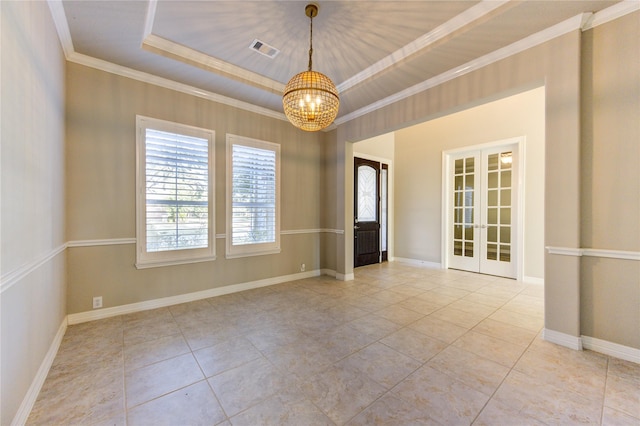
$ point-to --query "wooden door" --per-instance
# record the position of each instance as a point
(366, 226)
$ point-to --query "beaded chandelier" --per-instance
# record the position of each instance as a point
(310, 98)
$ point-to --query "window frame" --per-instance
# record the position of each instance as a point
(144, 258)
(257, 249)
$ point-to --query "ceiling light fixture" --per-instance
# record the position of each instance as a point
(310, 98)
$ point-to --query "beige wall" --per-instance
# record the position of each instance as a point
(554, 64)
(32, 259)
(591, 134)
(610, 288)
(419, 173)
(101, 112)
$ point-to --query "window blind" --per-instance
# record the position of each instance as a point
(253, 212)
(177, 188)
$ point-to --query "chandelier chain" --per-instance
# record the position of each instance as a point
(310, 40)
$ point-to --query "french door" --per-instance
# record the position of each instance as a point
(483, 211)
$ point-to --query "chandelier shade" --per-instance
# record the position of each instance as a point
(310, 98)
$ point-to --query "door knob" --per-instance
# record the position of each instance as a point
(356, 227)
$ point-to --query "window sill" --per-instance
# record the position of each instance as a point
(160, 263)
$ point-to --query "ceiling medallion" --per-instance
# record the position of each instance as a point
(310, 98)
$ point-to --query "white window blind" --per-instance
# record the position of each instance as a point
(177, 187)
(253, 219)
(174, 197)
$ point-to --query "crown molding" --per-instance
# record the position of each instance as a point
(616, 11)
(452, 25)
(186, 55)
(110, 67)
(583, 22)
(533, 40)
(62, 27)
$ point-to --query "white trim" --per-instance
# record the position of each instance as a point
(578, 22)
(533, 40)
(201, 60)
(144, 257)
(613, 254)
(345, 277)
(562, 339)
(149, 18)
(590, 252)
(533, 280)
(184, 298)
(144, 77)
(172, 262)
(260, 248)
(616, 11)
(518, 145)
(613, 349)
(132, 240)
(36, 384)
(101, 242)
(564, 251)
(12, 277)
(418, 262)
(459, 21)
(62, 27)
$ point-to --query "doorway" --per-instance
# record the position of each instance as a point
(482, 222)
(370, 207)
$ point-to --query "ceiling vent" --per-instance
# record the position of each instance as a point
(264, 49)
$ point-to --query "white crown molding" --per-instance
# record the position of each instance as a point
(591, 252)
(109, 67)
(62, 27)
(616, 11)
(36, 384)
(201, 60)
(454, 24)
(613, 349)
(149, 18)
(12, 277)
(583, 22)
(184, 298)
(562, 339)
(533, 40)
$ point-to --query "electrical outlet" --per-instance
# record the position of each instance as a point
(303, 267)
(97, 302)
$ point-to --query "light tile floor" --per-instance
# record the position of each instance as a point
(398, 345)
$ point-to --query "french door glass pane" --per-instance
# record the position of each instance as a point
(463, 212)
(499, 206)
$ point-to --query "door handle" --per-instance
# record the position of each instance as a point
(356, 227)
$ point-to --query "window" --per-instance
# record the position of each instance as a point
(174, 197)
(253, 197)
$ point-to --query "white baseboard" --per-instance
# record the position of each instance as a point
(184, 298)
(613, 349)
(36, 385)
(417, 262)
(562, 339)
(533, 280)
